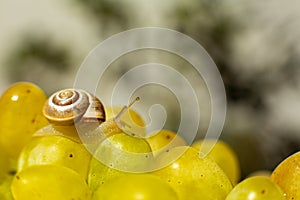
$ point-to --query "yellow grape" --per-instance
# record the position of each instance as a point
(264, 173)
(135, 187)
(4, 165)
(55, 150)
(287, 176)
(49, 182)
(131, 117)
(7, 171)
(223, 155)
(164, 140)
(72, 132)
(5, 193)
(117, 150)
(193, 177)
(256, 188)
(21, 115)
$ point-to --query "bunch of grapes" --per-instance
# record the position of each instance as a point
(43, 157)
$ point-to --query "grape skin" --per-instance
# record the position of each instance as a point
(223, 155)
(116, 149)
(21, 115)
(256, 188)
(287, 176)
(135, 187)
(48, 182)
(56, 150)
(193, 177)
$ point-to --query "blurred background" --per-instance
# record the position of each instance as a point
(255, 44)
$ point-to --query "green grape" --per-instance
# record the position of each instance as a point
(49, 182)
(164, 140)
(287, 176)
(193, 177)
(256, 188)
(223, 155)
(116, 152)
(21, 115)
(5, 193)
(55, 150)
(135, 187)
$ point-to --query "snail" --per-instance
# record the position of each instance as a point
(73, 106)
(69, 106)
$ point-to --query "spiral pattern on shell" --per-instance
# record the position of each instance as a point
(69, 106)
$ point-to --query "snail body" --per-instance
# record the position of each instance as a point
(70, 106)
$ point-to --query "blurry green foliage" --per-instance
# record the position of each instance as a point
(34, 53)
(108, 12)
(211, 24)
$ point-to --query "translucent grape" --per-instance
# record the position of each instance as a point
(5, 165)
(21, 115)
(287, 176)
(256, 188)
(5, 193)
(224, 156)
(265, 173)
(164, 140)
(116, 152)
(56, 150)
(49, 182)
(135, 187)
(193, 177)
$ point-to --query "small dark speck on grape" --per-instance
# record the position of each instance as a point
(169, 180)
(18, 177)
(71, 155)
(12, 172)
(167, 150)
(33, 120)
(168, 136)
(263, 192)
(102, 182)
(28, 91)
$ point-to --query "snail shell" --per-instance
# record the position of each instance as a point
(69, 106)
